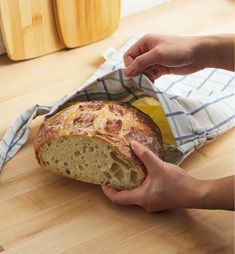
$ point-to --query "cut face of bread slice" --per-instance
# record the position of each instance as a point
(91, 160)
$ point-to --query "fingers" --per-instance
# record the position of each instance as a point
(150, 160)
(152, 72)
(156, 71)
(129, 197)
(135, 50)
(135, 196)
(137, 57)
(142, 62)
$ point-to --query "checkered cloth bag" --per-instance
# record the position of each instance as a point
(198, 107)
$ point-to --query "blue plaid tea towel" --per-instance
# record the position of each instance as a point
(199, 107)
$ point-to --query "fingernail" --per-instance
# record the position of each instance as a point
(134, 144)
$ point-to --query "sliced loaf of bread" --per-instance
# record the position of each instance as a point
(90, 141)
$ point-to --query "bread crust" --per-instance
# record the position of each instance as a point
(112, 122)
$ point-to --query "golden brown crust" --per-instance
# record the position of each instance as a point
(113, 122)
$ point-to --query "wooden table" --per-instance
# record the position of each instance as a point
(44, 213)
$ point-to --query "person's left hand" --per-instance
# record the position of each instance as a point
(166, 186)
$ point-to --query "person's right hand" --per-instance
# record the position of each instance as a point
(155, 55)
(168, 186)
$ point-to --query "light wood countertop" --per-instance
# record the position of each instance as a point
(44, 213)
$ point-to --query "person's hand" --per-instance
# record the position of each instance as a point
(165, 187)
(156, 55)
(168, 186)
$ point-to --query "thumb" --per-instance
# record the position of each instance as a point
(142, 62)
(150, 160)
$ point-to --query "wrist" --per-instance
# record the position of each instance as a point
(205, 52)
(195, 194)
(199, 194)
(204, 196)
(209, 195)
(215, 51)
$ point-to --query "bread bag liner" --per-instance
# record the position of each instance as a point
(198, 107)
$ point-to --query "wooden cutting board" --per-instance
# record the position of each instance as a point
(28, 28)
(82, 22)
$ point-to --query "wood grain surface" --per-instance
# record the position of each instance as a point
(28, 28)
(81, 22)
(44, 213)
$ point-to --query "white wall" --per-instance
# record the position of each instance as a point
(133, 6)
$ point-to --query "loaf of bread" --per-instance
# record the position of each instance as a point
(90, 141)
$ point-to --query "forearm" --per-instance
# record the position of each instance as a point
(216, 51)
(215, 194)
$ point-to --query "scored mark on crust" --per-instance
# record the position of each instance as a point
(84, 119)
(91, 105)
(113, 126)
(118, 111)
